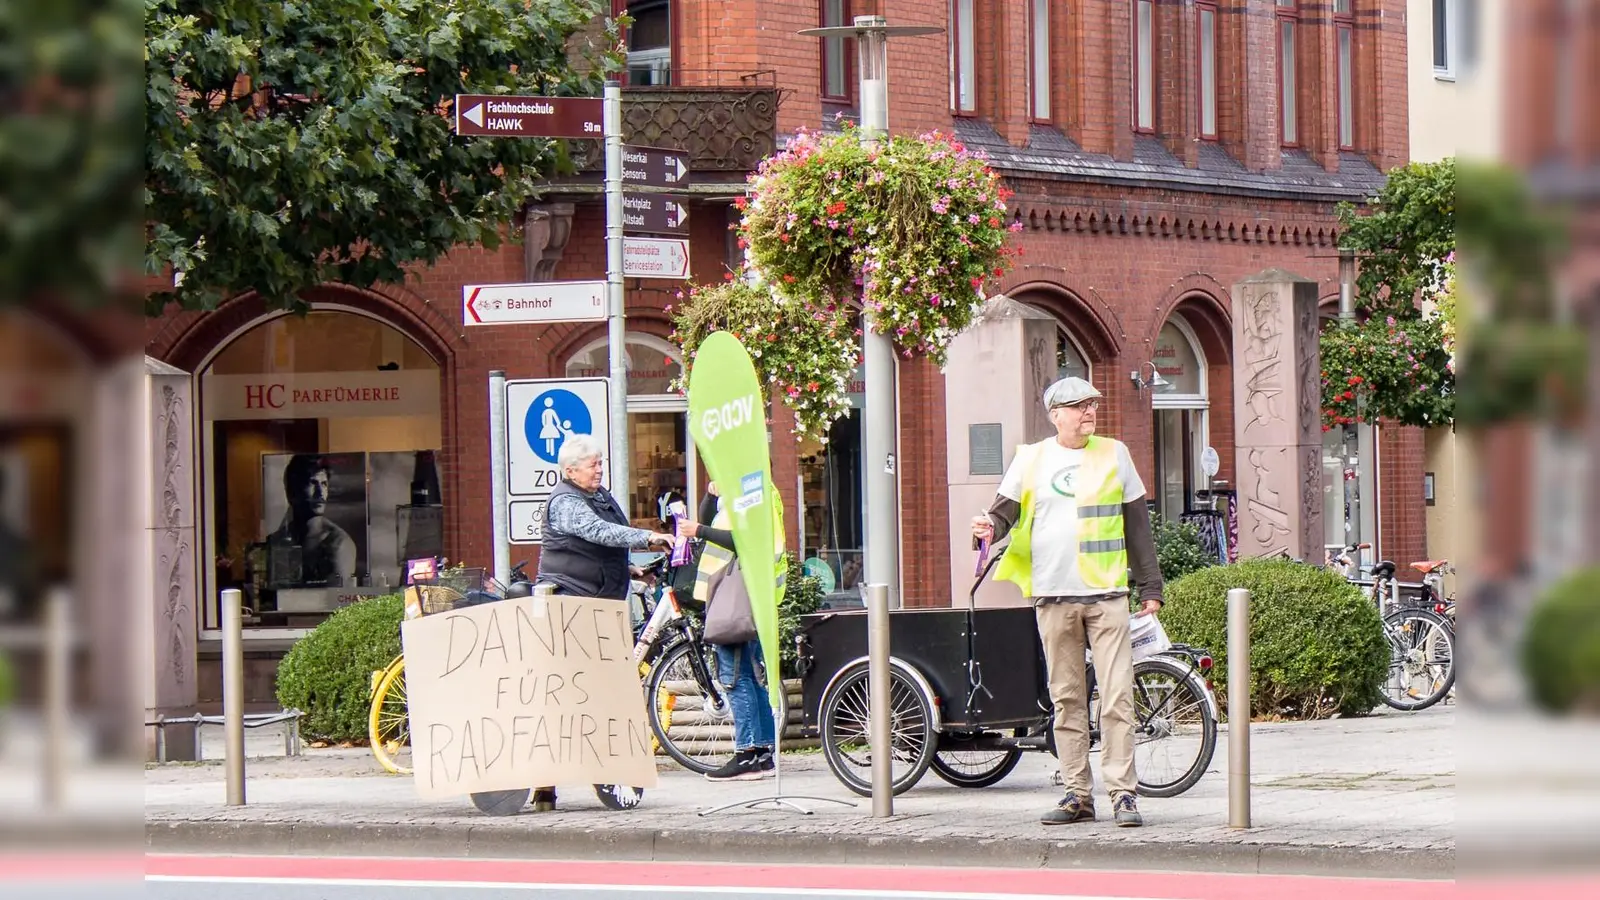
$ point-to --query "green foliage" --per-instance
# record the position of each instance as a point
(69, 158)
(1403, 237)
(1178, 549)
(327, 675)
(1561, 649)
(1317, 644)
(802, 595)
(805, 355)
(298, 143)
(918, 223)
(8, 682)
(1387, 368)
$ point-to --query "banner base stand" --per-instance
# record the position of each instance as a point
(778, 800)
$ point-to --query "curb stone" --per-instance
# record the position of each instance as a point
(675, 845)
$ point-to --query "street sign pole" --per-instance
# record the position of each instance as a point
(497, 476)
(617, 331)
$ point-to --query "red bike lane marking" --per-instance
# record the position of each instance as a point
(1056, 882)
(45, 866)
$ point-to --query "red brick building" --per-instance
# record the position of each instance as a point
(1159, 151)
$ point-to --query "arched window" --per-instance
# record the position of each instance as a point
(1180, 410)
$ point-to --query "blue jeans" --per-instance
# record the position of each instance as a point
(752, 712)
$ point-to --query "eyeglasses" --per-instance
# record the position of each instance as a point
(1091, 403)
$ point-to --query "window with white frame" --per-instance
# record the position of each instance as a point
(1206, 25)
(1344, 22)
(1144, 65)
(1039, 60)
(963, 57)
(1288, 62)
(1444, 57)
(837, 85)
(649, 40)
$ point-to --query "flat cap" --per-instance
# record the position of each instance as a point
(1068, 391)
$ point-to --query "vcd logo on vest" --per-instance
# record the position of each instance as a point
(728, 416)
(750, 492)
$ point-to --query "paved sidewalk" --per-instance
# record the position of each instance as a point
(1360, 796)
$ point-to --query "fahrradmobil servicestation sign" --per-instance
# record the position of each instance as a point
(655, 257)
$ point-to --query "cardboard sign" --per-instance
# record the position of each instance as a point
(525, 692)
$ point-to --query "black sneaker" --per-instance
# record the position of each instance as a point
(1071, 809)
(764, 759)
(745, 766)
(1126, 808)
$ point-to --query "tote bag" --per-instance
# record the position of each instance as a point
(728, 618)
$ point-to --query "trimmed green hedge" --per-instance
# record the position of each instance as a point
(1561, 648)
(327, 675)
(1317, 644)
(1178, 548)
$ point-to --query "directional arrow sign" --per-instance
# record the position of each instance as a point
(518, 304)
(657, 213)
(655, 257)
(651, 167)
(498, 115)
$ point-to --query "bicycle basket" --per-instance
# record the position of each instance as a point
(454, 588)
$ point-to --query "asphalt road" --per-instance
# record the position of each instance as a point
(310, 878)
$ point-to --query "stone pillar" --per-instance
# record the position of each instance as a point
(994, 384)
(1277, 417)
(170, 578)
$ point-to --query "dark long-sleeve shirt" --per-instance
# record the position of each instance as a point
(722, 537)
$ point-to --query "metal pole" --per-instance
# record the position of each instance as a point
(57, 695)
(1239, 708)
(1347, 284)
(617, 391)
(233, 692)
(881, 417)
(878, 700)
(498, 476)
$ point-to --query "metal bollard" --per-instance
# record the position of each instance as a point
(1239, 708)
(878, 699)
(233, 692)
(57, 696)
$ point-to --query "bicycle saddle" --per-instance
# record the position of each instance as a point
(1428, 566)
(1383, 569)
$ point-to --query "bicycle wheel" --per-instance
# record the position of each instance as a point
(388, 719)
(970, 767)
(1174, 729)
(1421, 659)
(689, 714)
(846, 718)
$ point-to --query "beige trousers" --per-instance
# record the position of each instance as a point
(1065, 628)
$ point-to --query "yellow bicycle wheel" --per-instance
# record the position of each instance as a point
(388, 721)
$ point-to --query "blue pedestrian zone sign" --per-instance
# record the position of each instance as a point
(541, 416)
(555, 416)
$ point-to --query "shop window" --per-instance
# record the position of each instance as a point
(648, 40)
(831, 500)
(320, 440)
(1180, 409)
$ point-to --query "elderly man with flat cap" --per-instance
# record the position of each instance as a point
(1073, 506)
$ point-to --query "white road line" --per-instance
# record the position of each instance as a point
(654, 888)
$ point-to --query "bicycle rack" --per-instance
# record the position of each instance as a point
(291, 737)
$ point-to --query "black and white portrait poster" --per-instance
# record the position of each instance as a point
(314, 518)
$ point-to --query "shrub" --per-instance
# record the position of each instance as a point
(1178, 549)
(802, 594)
(327, 675)
(1316, 643)
(1561, 649)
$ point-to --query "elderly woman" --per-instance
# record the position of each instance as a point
(586, 534)
(586, 540)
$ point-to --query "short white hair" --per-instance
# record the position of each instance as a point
(578, 449)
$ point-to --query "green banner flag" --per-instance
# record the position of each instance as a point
(728, 420)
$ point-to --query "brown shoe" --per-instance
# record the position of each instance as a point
(1072, 808)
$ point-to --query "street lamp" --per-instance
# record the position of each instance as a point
(880, 430)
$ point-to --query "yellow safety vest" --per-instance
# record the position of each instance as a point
(1102, 542)
(714, 559)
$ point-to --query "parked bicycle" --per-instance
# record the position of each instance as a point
(1421, 638)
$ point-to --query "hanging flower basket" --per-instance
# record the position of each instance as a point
(912, 226)
(805, 354)
(1386, 368)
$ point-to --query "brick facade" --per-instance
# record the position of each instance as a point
(1121, 229)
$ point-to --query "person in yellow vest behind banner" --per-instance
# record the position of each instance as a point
(1073, 506)
(740, 667)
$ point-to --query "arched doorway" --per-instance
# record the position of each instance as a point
(1180, 409)
(319, 443)
(661, 463)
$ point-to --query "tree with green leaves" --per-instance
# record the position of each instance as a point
(1392, 362)
(290, 144)
(69, 150)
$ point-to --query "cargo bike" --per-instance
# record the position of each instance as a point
(968, 693)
